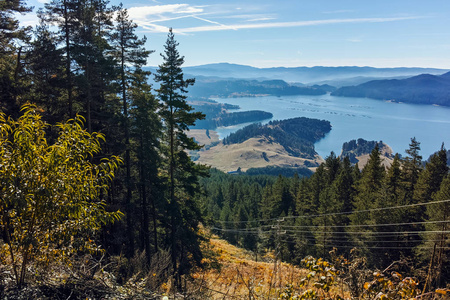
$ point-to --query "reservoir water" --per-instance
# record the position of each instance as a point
(353, 118)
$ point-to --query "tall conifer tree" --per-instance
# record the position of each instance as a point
(182, 172)
(62, 13)
(368, 190)
(46, 63)
(129, 52)
(146, 133)
(11, 54)
(412, 166)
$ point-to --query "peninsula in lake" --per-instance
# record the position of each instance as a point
(285, 143)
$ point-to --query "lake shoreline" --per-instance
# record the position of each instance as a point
(352, 118)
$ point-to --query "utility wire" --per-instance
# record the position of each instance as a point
(376, 247)
(364, 225)
(332, 232)
(366, 242)
(338, 213)
(350, 225)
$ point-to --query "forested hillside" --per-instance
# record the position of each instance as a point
(296, 135)
(248, 88)
(421, 89)
(398, 214)
(218, 114)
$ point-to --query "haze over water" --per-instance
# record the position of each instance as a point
(353, 118)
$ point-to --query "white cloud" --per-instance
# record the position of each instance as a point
(289, 24)
(143, 12)
(147, 16)
(207, 21)
(260, 19)
(154, 27)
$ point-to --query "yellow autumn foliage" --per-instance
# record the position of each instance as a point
(51, 194)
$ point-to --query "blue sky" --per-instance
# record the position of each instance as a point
(262, 33)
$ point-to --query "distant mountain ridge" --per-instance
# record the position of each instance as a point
(212, 87)
(421, 89)
(306, 75)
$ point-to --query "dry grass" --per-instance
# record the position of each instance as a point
(253, 153)
(387, 157)
(241, 277)
(200, 136)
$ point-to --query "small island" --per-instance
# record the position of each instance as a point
(218, 114)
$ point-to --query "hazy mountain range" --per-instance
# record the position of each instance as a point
(223, 88)
(336, 76)
(412, 85)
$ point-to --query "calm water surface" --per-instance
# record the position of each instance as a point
(353, 118)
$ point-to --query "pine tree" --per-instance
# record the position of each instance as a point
(391, 194)
(9, 25)
(11, 54)
(429, 181)
(62, 13)
(332, 164)
(129, 53)
(305, 239)
(412, 166)
(46, 64)
(282, 199)
(182, 172)
(368, 187)
(96, 68)
(145, 133)
(438, 216)
(340, 201)
(428, 185)
(368, 191)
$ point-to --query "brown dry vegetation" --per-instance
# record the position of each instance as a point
(235, 273)
(250, 154)
(202, 139)
(386, 155)
(239, 276)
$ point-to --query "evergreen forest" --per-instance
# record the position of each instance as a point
(99, 198)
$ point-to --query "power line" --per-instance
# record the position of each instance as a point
(366, 242)
(374, 232)
(375, 247)
(350, 225)
(289, 227)
(338, 213)
(332, 232)
(364, 225)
